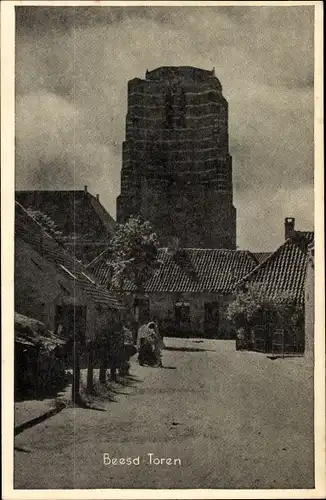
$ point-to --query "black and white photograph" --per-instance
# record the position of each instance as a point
(166, 173)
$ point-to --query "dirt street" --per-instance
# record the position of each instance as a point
(226, 419)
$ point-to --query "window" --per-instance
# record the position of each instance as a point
(169, 109)
(182, 314)
(211, 319)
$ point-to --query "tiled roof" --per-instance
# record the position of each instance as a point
(190, 270)
(101, 267)
(32, 233)
(282, 272)
(261, 256)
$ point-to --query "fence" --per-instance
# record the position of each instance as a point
(277, 341)
(287, 343)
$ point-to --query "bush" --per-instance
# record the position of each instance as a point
(247, 306)
(251, 309)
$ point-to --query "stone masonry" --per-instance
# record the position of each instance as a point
(177, 170)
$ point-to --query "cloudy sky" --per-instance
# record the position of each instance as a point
(72, 68)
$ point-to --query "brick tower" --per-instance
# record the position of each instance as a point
(177, 170)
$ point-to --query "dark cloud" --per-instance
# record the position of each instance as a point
(52, 173)
(72, 68)
(35, 21)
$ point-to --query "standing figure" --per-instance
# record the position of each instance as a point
(117, 352)
(112, 349)
(128, 351)
(158, 343)
(145, 346)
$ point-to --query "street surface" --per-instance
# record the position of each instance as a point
(233, 419)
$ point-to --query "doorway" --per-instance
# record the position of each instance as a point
(182, 318)
(211, 319)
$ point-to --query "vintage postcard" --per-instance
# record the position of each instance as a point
(163, 250)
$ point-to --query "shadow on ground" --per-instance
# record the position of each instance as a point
(47, 392)
(23, 450)
(30, 423)
(188, 349)
(108, 391)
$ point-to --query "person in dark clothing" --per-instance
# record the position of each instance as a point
(115, 350)
(146, 353)
(146, 346)
(128, 351)
(111, 347)
(158, 344)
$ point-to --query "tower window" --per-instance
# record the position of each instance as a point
(169, 109)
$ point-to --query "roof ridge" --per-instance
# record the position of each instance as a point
(98, 257)
(209, 249)
(52, 191)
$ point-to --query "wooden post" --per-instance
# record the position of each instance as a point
(102, 374)
(37, 386)
(90, 368)
(76, 374)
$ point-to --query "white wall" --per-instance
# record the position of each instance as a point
(310, 307)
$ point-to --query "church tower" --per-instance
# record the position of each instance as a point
(176, 169)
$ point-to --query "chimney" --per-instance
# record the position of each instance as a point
(85, 189)
(289, 227)
(98, 197)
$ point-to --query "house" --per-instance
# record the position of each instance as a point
(282, 274)
(190, 291)
(283, 271)
(79, 215)
(54, 288)
(310, 303)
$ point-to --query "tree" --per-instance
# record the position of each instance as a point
(48, 225)
(134, 255)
